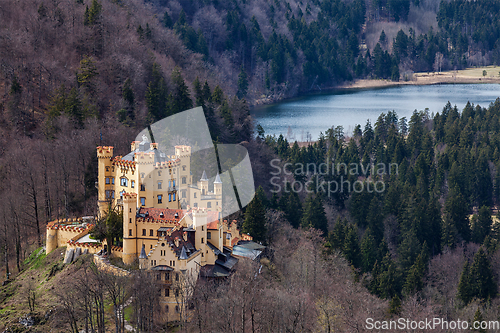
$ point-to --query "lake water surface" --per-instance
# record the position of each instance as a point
(316, 113)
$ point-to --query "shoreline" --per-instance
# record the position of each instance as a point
(421, 79)
(464, 76)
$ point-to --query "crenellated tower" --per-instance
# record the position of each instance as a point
(105, 188)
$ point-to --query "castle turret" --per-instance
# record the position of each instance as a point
(200, 225)
(51, 239)
(204, 183)
(143, 258)
(105, 188)
(218, 187)
(129, 228)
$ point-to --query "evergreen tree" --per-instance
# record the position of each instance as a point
(481, 225)
(482, 276)
(314, 214)
(242, 83)
(181, 98)
(477, 279)
(351, 246)
(368, 251)
(337, 235)
(255, 220)
(156, 95)
(293, 209)
(478, 317)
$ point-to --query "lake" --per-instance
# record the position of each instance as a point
(316, 113)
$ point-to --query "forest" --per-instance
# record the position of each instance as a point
(81, 73)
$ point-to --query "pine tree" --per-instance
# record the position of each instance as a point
(255, 220)
(337, 236)
(481, 225)
(198, 92)
(242, 83)
(477, 279)
(368, 251)
(167, 21)
(314, 214)
(478, 317)
(181, 99)
(351, 246)
(293, 210)
(414, 281)
(218, 95)
(482, 275)
(156, 95)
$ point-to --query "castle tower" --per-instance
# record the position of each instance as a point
(51, 240)
(104, 155)
(129, 228)
(218, 187)
(200, 225)
(143, 258)
(204, 183)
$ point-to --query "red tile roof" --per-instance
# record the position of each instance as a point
(168, 214)
(212, 225)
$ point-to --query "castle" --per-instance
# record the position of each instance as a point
(171, 225)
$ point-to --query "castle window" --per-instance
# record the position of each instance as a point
(107, 180)
(130, 220)
(184, 193)
(174, 182)
(107, 169)
(209, 235)
(143, 187)
(142, 174)
(143, 201)
(132, 184)
(169, 197)
(195, 204)
(176, 292)
(144, 232)
(195, 194)
(130, 210)
(176, 275)
(166, 308)
(202, 228)
(112, 169)
(177, 308)
(112, 181)
(202, 255)
(201, 240)
(160, 197)
(158, 276)
(183, 168)
(150, 232)
(159, 185)
(209, 204)
(130, 232)
(174, 196)
(167, 294)
(184, 180)
(124, 182)
(167, 276)
(159, 173)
